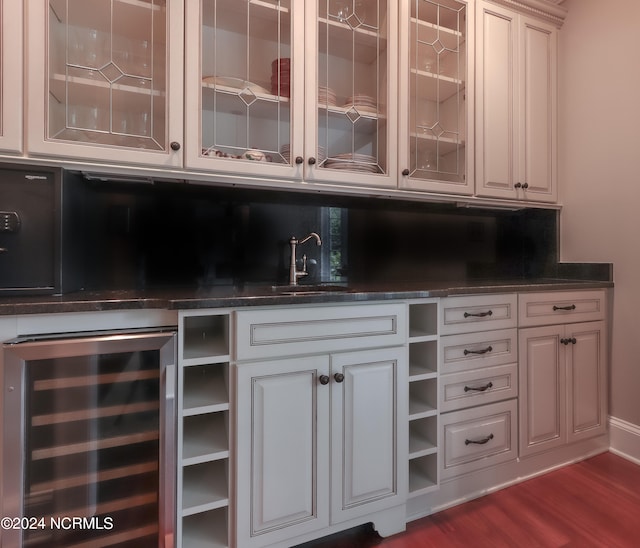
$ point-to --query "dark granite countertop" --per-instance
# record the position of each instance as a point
(268, 295)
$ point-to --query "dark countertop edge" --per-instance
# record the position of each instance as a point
(261, 296)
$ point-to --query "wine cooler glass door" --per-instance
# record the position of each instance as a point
(88, 440)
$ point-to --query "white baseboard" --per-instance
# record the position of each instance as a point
(624, 439)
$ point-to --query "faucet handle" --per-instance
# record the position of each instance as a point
(304, 262)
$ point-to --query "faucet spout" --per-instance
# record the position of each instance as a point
(312, 235)
(294, 273)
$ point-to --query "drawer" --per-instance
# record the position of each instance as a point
(476, 438)
(284, 331)
(487, 385)
(557, 307)
(474, 350)
(478, 313)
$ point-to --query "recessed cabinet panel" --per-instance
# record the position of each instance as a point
(11, 53)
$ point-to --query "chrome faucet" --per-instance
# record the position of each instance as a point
(294, 273)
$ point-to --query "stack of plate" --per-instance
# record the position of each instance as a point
(362, 103)
(281, 77)
(285, 150)
(353, 162)
(326, 96)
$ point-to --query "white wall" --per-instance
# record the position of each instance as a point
(599, 168)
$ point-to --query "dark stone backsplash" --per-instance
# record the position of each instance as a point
(177, 234)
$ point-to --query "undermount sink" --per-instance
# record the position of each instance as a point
(308, 289)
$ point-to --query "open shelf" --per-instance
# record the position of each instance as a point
(205, 389)
(423, 399)
(206, 529)
(206, 337)
(423, 475)
(423, 360)
(423, 437)
(423, 320)
(205, 487)
(205, 438)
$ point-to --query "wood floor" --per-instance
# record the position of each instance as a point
(594, 503)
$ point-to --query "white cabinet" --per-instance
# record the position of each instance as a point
(436, 90)
(105, 80)
(424, 440)
(319, 436)
(516, 105)
(562, 375)
(11, 53)
(203, 448)
(306, 89)
(478, 356)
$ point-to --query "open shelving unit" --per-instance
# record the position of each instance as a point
(423, 396)
(203, 429)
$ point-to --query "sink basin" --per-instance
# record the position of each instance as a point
(308, 289)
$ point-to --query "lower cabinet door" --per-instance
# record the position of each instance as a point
(369, 432)
(542, 392)
(282, 449)
(587, 380)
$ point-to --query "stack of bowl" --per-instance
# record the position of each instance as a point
(280, 77)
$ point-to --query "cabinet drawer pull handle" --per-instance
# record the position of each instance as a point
(480, 442)
(324, 379)
(482, 351)
(339, 377)
(478, 314)
(570, 307)
(479, 388)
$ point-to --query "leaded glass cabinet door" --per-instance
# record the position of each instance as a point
(245, 78)
(437, 96)
(11, 62)
(351, 95)
(110, 71)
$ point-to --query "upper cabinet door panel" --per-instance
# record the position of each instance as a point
(103, 74)
(538, 136)
(11, 76)
(496, 102)
(517, 106)
(244, 81)
(436, 134)
(351, 92)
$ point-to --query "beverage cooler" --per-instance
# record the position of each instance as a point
(89, 440)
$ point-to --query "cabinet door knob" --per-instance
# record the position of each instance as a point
(175, 145)
(299, 160)
(324, 379)
(525, 185)
(312, 161)
(406, 172)
(339, 377)
(518, 185)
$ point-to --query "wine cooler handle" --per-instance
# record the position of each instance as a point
(167, 490)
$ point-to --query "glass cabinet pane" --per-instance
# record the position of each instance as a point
(352, 85)
(437, 111)
(246, 80)
(107, 78)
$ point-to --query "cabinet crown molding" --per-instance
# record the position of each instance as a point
(548, 10)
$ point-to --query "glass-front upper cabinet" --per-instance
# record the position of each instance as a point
(436, 132)
(11, 76)
(245, 79)
(106, 75)
(351, 93)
